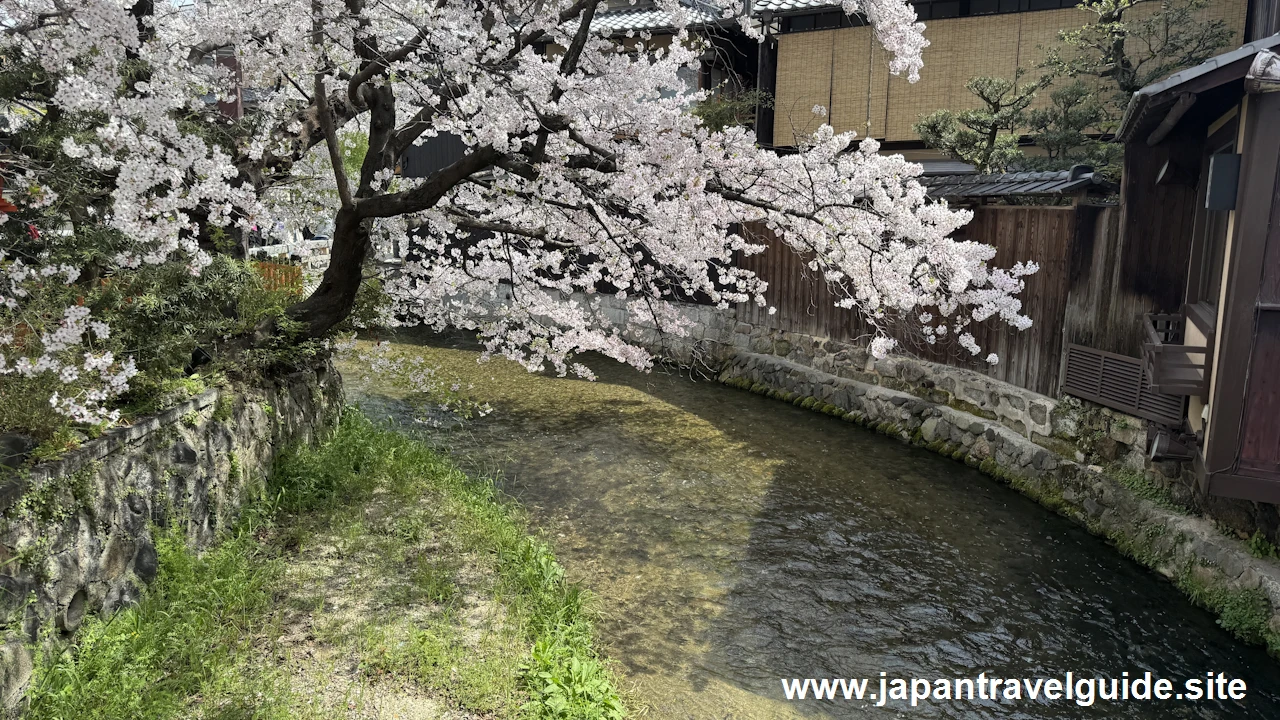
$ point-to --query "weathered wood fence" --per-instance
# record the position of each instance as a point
(279, 276)
(1031, 359)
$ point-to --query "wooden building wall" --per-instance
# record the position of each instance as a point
(1029, 359)
(1116, 278)
(1264, 19)
(1242, 444)
(1135, 261)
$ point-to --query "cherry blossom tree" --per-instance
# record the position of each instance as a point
(584, 170)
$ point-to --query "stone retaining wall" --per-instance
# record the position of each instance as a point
(1075, 429)
(76, 534)
(1070, 427)
(1217, 571)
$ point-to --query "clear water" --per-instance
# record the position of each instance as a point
(735, 540)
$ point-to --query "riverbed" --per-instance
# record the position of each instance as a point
(735, 540)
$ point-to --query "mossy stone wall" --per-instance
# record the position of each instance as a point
(75, 533)
(1214, 569)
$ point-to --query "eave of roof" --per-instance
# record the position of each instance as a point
(790, 7)
(650, 18)
(1214, 72)
(1021, 183)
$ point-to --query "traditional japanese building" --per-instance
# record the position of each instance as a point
(1202, 221)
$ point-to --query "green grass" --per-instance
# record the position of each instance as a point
(1138, 484)
(441, 543)
(563, 676)
(1244, 612)
(188, 636)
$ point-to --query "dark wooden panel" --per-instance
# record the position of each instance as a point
(1120, 382)
(1028, 359)
(1132, 260)
(1243, 408)
(1260, 434)
(1260, 429)
(432, 155)
(1263, 20)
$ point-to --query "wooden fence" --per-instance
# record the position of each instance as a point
(279, 276)
(1029, 359)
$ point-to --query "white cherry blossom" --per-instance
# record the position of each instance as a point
(583, 173)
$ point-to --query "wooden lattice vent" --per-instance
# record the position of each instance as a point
(1119, 382)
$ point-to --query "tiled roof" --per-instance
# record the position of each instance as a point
(946, 167)
(1158, 95)
(788, 6)
(645, 16)
(1077, 178)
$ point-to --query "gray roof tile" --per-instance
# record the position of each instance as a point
(1140, 103)
(788, 6)
(647, 16)
(1019, 183)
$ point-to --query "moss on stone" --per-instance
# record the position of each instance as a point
(895, 384)
(970, 408)
(1047, 493)
(1062, 447)
(888, 428)
(56, 500)
(1142, 547)
(1244, 612)
(808, 403)
(223, 408)
(1138, 484)
(959, 454)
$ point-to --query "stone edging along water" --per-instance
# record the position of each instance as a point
(75, 533)
(1216, 571)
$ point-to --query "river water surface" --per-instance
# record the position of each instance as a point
(735, 540)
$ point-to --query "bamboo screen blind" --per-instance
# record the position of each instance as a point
(862, 94)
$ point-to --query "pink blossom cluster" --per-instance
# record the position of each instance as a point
(64, 351)
(584, 172)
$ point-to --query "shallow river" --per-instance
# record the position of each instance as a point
(735, 540)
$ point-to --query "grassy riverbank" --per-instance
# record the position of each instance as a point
(372, 580)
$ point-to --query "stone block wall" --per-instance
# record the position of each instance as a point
(1073, 428)
(1215, 569)
(76, 533)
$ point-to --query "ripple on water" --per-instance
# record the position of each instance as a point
(735, 540)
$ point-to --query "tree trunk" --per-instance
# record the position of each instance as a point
(333, 301)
